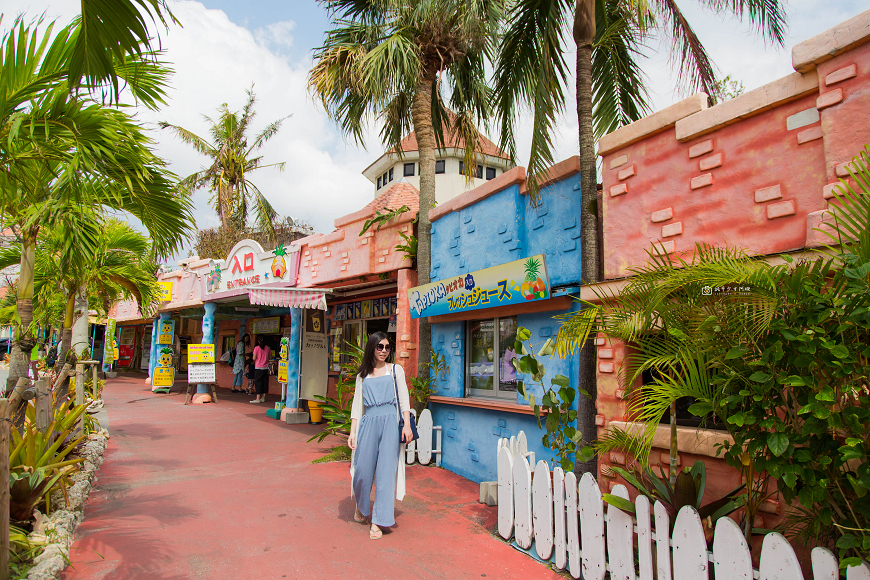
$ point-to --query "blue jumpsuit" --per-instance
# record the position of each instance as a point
(377, 451)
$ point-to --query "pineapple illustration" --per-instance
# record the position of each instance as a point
(279, 267)
(533, 287)
(165, 359)
(283, 353)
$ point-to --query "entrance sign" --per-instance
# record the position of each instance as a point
(108, 349)
(200, 353)
(165, 291)
(513, 283)
(166, 332)
(248, 265)
(266, 325)
(314, 358)
(201, 373)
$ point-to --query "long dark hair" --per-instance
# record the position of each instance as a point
(247, 339)
(367, 364)
(261, 342)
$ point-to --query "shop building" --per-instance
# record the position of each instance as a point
(499, 262)
(755, 172)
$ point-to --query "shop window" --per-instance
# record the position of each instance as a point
(489, 371)
(440, 166)
(490, 173)
(408, 170)
(228, 343)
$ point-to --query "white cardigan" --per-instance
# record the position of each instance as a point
(357, 411)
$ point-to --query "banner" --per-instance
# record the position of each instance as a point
(516, 282)
(108, 342)
(270, 325)
(200, 353)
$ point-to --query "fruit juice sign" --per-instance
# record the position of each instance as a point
(516, 282)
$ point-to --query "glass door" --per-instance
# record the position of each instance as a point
(481, 361)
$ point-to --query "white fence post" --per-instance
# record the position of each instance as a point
(505, 492)
(522, 503)
(573, 524)
(559, 529)
(731, 554)
(663, 542)
(778, 561)
(591, 528)
(690, 547)
(644, 537)
(620, 544)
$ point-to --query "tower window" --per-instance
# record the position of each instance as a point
(439, 166)
(408, 170)
(490, 173)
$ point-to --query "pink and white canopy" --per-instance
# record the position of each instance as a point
(288, 297)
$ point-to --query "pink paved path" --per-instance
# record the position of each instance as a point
(221, 491)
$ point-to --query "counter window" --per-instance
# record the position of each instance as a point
(491, 349)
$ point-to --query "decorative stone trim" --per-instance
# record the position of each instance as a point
(674, 229)
(841, 75)
(700, 148)
(837, 40)
(810, 134)
(781, 209)
(618, 189)
(662, 215)
(768, 193)
(619, 161)
(708, 163)
(651, 124)
(700, 181)
(61, 524)
(630, 171)
(829, 99)
(689, 439)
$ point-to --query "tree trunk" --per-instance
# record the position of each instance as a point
(66, 334)
(80, 339)
(584, 35)
(224, 197)
(421, 115)
(19, 358)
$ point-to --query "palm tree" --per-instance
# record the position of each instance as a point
(58, 150)
(395, 60)
(609, 35)
(231, 162)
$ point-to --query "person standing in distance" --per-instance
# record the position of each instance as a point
(261, 370)
(380, 397)
(239, 364)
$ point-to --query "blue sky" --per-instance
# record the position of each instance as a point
(225, 46)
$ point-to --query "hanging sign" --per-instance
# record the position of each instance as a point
(165, 291)
(248, 265)
(266, 325)
(108, 349)
(164, 374)
(201, 373)
(166, 332)
(516, 282)
(200, 353)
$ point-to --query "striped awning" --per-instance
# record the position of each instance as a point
(288, 297)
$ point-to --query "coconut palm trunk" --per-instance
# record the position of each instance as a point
(584, 35)
(421, 116)
(68, 319)
(19, 358)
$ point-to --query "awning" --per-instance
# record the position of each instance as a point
(288, 297)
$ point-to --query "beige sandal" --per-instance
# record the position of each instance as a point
(375, 533)
(358, 517)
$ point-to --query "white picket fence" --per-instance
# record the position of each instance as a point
(422, 448)
(545, 513)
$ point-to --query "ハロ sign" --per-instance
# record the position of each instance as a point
(200, 353)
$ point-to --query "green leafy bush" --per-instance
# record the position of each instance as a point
(422, 386)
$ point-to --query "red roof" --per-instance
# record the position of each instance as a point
(487, 147)
(399, 194)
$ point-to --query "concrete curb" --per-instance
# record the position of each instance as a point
(60, 526)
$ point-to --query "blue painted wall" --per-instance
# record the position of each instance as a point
(502, 228)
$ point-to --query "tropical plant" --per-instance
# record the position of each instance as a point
(688, 489)
(336, 410)
(557, 406)
(59, 150)
(409, 247)
(383, 217)
(423, 384)
(395, 60)
(609, 35)
(232, 160)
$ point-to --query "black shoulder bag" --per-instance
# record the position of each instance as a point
(414, 433)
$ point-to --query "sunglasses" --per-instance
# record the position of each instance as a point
(385, 347)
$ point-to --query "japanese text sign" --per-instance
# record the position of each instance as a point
(200, 353)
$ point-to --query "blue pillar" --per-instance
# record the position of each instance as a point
(93, 341)
(208, 332)
(293, 352)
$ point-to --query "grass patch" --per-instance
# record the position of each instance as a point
(338, 453)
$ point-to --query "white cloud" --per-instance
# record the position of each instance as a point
(277, 34)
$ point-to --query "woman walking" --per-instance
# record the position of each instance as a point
(239, 364)
(261, 370)
(381, 395)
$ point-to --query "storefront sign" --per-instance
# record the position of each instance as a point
(282, 359)
(166, 332)
(266, 325)
(512, 283)
(314, 358)
(200, 353)
(282, 371)
(249, 265)
(376, 308)
(165, 291)
(108, 341)
(201, 373)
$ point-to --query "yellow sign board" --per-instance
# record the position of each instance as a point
(116, 353)
(282, 371)
(166, 332)
(200, 353)
(165, 291)
(163, 377)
